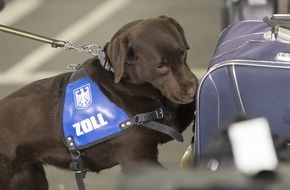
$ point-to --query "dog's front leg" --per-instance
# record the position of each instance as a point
(129, 166)
(26, 172)
(29, 176)
(138, 147)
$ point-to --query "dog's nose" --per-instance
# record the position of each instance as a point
(191, 92)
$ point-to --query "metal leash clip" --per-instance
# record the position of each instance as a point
(91, 49)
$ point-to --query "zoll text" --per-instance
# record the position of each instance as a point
(89, 124)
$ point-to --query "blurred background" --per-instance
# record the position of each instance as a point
(94, 22)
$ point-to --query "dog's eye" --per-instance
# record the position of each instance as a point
(160, 66)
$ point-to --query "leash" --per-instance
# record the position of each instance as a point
(94, 50)
(66, 45)
(54, 43)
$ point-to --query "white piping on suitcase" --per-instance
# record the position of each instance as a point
(258, 33)
(217, 56)
(197, 131)
(254, 63)
(239, 98)
(218, 98)
(238, 23)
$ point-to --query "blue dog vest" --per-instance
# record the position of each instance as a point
(89, 117)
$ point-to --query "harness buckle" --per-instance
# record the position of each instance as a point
(139, 119)
(159, 113)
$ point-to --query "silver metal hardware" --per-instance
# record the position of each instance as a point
(282, 35)
(283, 57)
(73, 66)
(91, 49)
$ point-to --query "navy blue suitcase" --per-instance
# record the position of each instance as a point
(250, 73)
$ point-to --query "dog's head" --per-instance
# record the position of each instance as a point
(154, 51)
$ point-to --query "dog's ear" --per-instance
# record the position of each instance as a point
(120, 51)
(117, 51)
(178, 27)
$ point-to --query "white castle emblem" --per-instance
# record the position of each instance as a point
(82, 96)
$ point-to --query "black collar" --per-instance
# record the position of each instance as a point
(101, 54)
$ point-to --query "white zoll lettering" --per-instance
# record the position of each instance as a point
(89, 124)
(101, 119)
(77, 126)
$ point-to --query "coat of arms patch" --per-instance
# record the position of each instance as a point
(82, 96)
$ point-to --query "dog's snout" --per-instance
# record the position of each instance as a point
(191, 92)
(191, 85)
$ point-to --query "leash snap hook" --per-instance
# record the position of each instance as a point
(91, 49)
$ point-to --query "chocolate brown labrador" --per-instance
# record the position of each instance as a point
(150, 71)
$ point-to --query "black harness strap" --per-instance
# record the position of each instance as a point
(146, 120)
(164, 129)
(76, 165)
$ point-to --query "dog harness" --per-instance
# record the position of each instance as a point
(89, 118)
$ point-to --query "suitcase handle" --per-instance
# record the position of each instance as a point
(278, 20)
(280, 24)
(280, 32)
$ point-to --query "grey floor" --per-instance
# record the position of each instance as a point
(94, 22)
